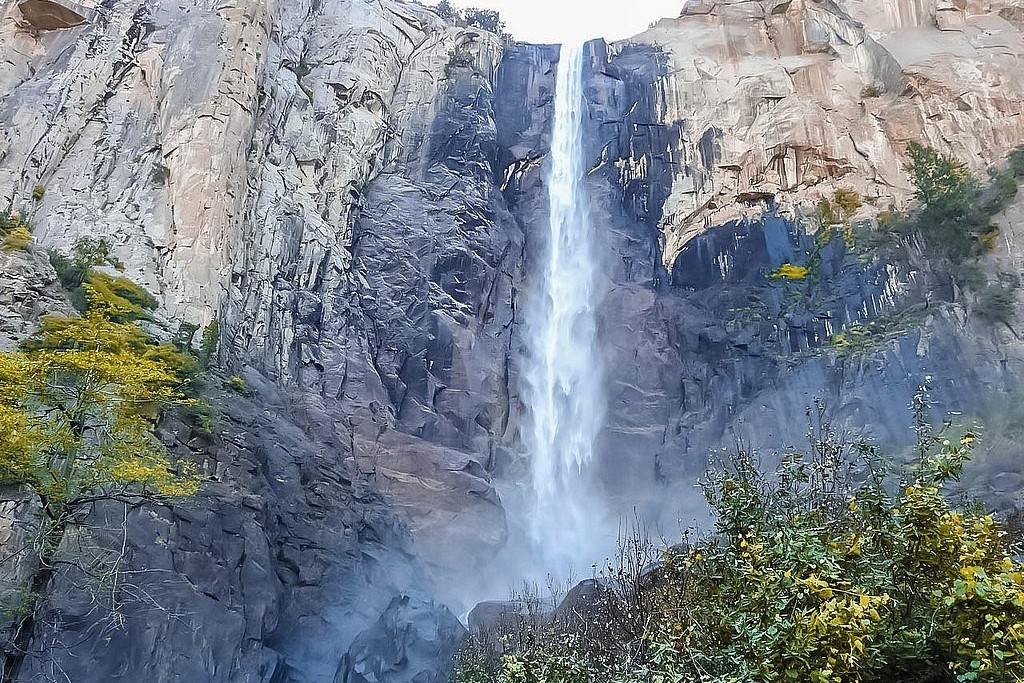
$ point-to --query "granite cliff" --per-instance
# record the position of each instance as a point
(351, 189)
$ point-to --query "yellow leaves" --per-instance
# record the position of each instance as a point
(16, 440)
(77, 406)
(134, 457)
(16, 374)
(116, 298)
(19, 238)
(788, 271)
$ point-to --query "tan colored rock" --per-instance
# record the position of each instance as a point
(803, 98)
(47, 15)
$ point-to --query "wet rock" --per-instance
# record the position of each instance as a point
(404, 646)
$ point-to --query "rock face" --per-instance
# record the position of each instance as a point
(318, 177)
(28, 289)
(794, 98)
(352, 189)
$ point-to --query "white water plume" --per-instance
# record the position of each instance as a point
(564, 375)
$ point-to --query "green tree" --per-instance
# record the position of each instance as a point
(447, 11)
(951, 220)
(486, 19)
(939, 179)
(86, 253)
(77, 412)
(210, 342)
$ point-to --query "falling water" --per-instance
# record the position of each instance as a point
(564, 379)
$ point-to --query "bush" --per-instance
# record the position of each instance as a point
(940, 181)
(9, 222)
(828, 569)
(38, 192)
(237, 384)
(822, 574)
(788, 271)
(863, 336)
(1001, 190)
(118, 298)
(18, 238)
(210, 342)
(74, 268)
(1015, 162)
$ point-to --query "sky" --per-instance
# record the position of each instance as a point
(558, 21)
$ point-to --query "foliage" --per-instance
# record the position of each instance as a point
(1002, 188)
(18, 239)
(864, 335)
(447, 11)
(117, 298)
(788, 271)
(237, 384)
(939, 180)
(997, 302)
(38, 192)
(460, 59)
(1015, 162)
(78, 407)
(73, 268)
(951, 219)
(828, 569)
(208, 347)
(486, 19)
(821, 574)
(13, 222)
(840, 208)
(870, 92)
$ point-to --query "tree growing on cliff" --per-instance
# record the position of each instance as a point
(447, 11)
(952, 221)
(77, 411)
(486, 19)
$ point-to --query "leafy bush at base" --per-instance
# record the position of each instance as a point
(829, 569)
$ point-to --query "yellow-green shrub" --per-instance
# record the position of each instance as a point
(18, 238)
(788, 271)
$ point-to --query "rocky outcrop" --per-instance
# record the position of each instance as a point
(46, 15)
(795, 98)
(28, 290)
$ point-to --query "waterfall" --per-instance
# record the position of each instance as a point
(564, 377)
